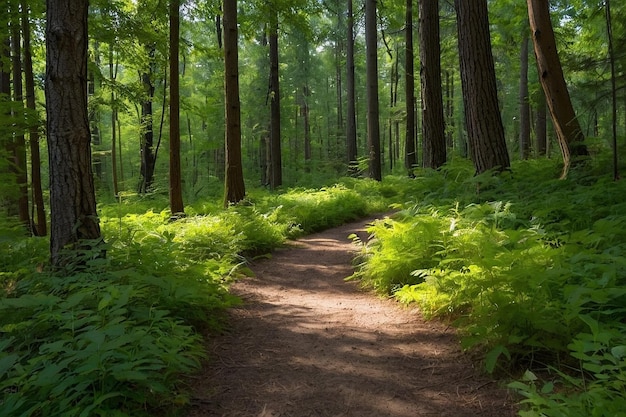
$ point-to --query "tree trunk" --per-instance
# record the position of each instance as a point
(112, 76)
(19, 148)
(524, 104)
(541, 128)
(39, 216)
(176, 188)
(276, 175)
(482, 116)
(373, 127)
(433, 122)
(234, 189)
(410, 157)
(569, 133)
(148, 160)
(74, 221)
(351, 142)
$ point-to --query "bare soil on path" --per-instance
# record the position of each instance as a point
(305, 343)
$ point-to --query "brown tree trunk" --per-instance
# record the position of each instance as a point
(276, 175)
(148, 157)
(524, 103)
(410, 156)
(234, 188)
(39, 216)
(112, 76)
(480, 97)
(176, 189)
(74, 221)
(373, 127)
(433, 122)
(566, 125)
(19, 148)
(541, 128)
(351, 142)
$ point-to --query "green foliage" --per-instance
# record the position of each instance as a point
(531, 270)
(113, 336)
(96, 340)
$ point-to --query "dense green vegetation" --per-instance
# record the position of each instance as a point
(530, 269)
(112, 336)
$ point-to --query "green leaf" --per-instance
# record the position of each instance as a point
(619, 351)
(7, 363)
(491, 359)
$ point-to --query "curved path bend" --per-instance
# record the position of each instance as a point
(308, 344)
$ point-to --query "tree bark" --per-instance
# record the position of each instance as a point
(74, 221)
(569, 133)
(410, 156)
(19, 145)
(373, 126)
(39, 217)
(148, 157)
(351, 142)
(176, 188)
(482, 116)
(276, 175)
(234, 187)
(524, 104)
(433, 122)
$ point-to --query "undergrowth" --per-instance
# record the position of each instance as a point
(113, 336)
(531, 269)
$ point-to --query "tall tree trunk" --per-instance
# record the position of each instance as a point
(568, 130)
(373, 127)
(74, 220)
(112, 76)
(524, 103)
(609, 29)
(480, 96)
(449, 109)
(234, 189)
(276, 175)
(541, 127)
(148, 157)
(176, 189)
(351, 142)
(410, 157)
(19, 148)
(338, 72)
(434, 149)
(39, 215)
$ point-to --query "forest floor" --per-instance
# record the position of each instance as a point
(305, 343)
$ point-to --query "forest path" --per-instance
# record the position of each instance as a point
(307, 343)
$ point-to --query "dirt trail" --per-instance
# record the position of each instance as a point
(306, 343)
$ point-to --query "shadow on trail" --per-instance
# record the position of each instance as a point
(306, 343)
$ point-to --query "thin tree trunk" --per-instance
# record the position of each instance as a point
(568, 130)
(373, 127)
(410, 157)
(148, 157)
(276, 175)
(524, 104)
(234, 189)
(20, 164)
(39, 216)
(609, 28)
(112, 76)
(541, 126)
(351, 141)
(176, 189)
(434, 145)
